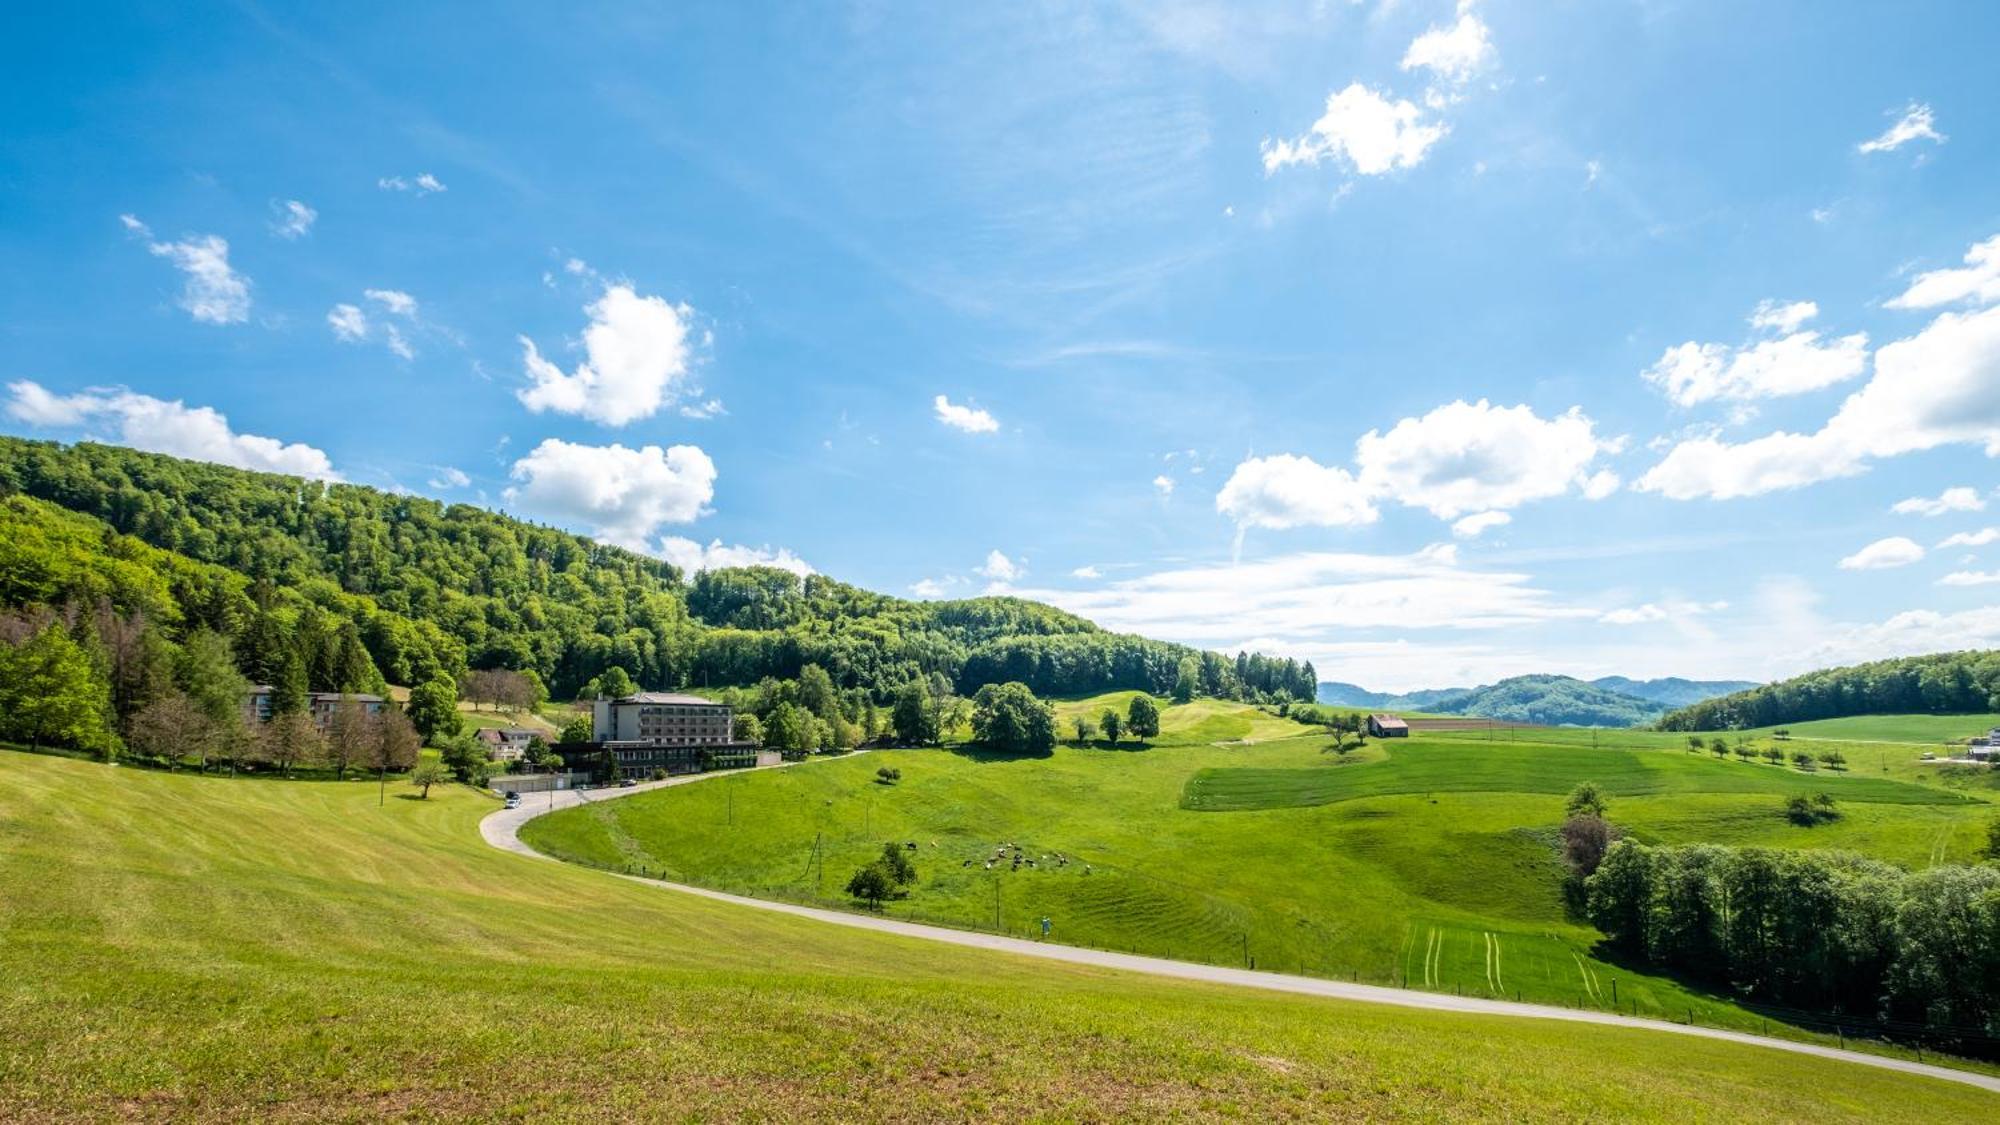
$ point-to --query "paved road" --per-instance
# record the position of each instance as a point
(501, 829)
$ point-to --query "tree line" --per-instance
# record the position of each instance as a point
(1942, 683)
(1815, 929)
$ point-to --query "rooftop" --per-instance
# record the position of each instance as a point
(668, 697)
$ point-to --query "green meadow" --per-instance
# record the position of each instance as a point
(1429, 862)
(175, 947)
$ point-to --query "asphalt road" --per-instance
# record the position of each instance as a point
(502, 830)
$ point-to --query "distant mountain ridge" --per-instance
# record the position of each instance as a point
(1611, 701)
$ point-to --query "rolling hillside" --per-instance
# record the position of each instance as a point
(170, 950)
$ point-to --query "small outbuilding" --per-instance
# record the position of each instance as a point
(1387, 726)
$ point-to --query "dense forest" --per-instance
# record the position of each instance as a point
(1820, 929)
(364, 587)
(1944, 683)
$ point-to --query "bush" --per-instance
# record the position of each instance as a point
(872, 884)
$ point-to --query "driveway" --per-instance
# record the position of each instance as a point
(502, 830)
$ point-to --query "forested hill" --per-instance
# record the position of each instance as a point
(1549, 700)
(1942, 683)
(425, 587)
(1552, 700)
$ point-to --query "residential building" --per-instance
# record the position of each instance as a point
(507, 744)
(258, 708)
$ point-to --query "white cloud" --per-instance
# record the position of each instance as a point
(1164, 484)
(214, 293)
(1978, 281)
(1472, 457)
(1477, 524)
(927, 588)
(1000, 568)
(394, 300)
(293, 219)
(1782, 316)
(351, 325)
(423, 183)
(968, 418)
(1712, 468)
(1916, 123)
(1978, 538)
(1790, 364)
(1286, 490)
(1459, 458)
(1883, 554)
(1650, 612)
(623, 495)
(1301, 599)
(1454, 53)
(348, 322)
(1911, 633)
(691, 556)
(1371, 132)
(145, 422)
(38, 406)
(1960, 499)
(132, 225)
(1938, 387)
(1086, 572)
(1971, 578)
(448, 478)
(704, 410)
(636, 359)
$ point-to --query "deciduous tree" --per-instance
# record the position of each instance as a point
(1143, 717)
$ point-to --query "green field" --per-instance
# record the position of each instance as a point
(1332, 868)
(181, 947)
(1893, 728)
(1420, 767)
(1197, 723)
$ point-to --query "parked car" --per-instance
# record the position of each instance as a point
(628, 783)
(513, 799)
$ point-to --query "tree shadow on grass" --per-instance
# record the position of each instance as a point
(974, 752)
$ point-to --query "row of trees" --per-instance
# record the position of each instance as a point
(1816, 929)
(97, 681)
(1141, 720)
(1945, 683)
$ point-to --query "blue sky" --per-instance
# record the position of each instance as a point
(1431, 342)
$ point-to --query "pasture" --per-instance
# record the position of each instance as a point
(182, 947)
(1270, 853)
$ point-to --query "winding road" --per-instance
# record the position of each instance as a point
(501, 829)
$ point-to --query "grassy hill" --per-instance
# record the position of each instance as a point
(198, 948)
(1397, 865)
